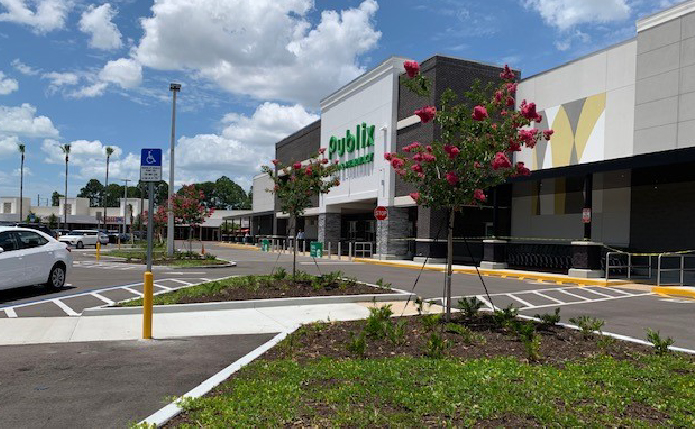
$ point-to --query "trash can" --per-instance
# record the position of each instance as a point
(316, 249)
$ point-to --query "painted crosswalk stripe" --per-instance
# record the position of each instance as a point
(183, 282)
(133, 291)
(619, 291)
(576, 296)
(598, 293)
(103, 299)
(10, 312)
(548, 297)
(69, 311)
(519, 300)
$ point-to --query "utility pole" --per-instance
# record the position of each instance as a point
(174, 88)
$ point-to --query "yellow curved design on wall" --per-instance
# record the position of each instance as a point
(593, 108)
(562, 140)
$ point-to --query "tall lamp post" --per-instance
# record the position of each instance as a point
(125, 208)
(174, 88)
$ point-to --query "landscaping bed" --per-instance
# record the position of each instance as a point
(279, 285)
(180, 259)
(480, 370)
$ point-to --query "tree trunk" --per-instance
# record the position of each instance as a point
(449, 263)
(293, 222)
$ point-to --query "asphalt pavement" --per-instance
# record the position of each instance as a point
(107, 384)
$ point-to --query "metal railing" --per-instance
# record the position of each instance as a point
(681, 268)
(628, 266)
(364, 248)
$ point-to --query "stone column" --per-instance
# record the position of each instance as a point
(329, 229)
(494, 255)
(391, 234)
(586, 260)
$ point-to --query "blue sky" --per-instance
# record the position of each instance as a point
(96, 74)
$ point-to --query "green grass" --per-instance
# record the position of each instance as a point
(417, 392)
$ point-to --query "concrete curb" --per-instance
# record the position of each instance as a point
(168, 412)
(674, 291)
(239, 246)
(125, 261)
(254, 303)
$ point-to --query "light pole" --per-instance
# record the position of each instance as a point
(174, 88)
(125, 207)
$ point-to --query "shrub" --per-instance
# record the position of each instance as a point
(378, 321)
(468, 336)
(396, 332)
(430, 321)
(550, 319)
(357, 344)
(470, 306)
(280, 273)
(505, 316)
(436, 346)
(524, 330)
(660, 345)
(533, 346)
(588, 325)
(382, 284)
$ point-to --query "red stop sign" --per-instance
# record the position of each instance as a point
(380, 213)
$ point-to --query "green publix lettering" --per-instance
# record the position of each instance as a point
(362, 139)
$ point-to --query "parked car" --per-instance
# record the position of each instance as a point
(29, 257)
(103, 238)
(38, 227)
(80, 238)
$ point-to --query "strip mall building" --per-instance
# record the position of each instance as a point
(624, 121)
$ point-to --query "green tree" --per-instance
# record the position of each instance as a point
(296, 185)
(114, 192)
(93, 190)
(55, 199)
(477, 141)
(189, 210)
(53, 221)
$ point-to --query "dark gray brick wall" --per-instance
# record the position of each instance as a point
(300, 145)
(390, 233)
(329, 229)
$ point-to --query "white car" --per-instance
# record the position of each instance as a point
(29, 257)
(81, 238)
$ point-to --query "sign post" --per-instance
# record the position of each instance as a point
(150, 171)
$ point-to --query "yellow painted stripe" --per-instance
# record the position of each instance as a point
(673, 291)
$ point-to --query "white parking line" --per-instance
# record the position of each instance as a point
(102, 298)
(183, 282)
(163, 287)
(619, 291)
(576, 296)
(519, 300)
(598, 293)
(133, 291)
(548, 297)
(69, 311)
(484, 301)
(9, 311)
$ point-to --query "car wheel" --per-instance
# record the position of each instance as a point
(79, 245)
(56, 278)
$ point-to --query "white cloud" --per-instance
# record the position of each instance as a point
(90, 91)
(89, 158)
(22, 120)
(46, 15)
(7, 84)
(98, 21)
(8, 145)
(23, 68)
(564, 14)
(125, 72)
(246, 143)
(60, 79)
(270, 51)
(565, 43)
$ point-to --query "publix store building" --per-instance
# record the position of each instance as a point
(618, 172)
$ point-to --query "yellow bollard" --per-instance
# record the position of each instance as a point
(98, 251)
(147, 306)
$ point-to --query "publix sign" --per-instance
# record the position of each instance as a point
(363, 138)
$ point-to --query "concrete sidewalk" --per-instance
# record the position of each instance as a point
(37, 330)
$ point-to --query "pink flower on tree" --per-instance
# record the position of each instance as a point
(412, 68)
(417, 157)
(510, 101)
(297, 165)
(479, 113)
(547, 134)
(276, 162)
(322, 150)
(429, 148)
(453, 151)
(511, 88)
(426, 157)
(507, 74)
(501, 161)
(529, 111)
(308, 171)
(479, 195)
(416, 197)
(397, 163)
(416, 168)
(426, 114)
(324, 161)
(498, 97)
(388, 156)
(521, 170)
(452, 178)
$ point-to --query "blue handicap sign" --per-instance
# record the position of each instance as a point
(151, 158)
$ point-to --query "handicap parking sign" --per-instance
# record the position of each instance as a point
(151, 165)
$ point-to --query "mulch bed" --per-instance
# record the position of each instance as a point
(558, 344)
(286, 289)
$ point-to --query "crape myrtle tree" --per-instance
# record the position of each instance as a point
(295, 185)
(188, 209)
(474, 152)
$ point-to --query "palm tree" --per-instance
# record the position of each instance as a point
(66, 150)
(109, 152)
(22, 149)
